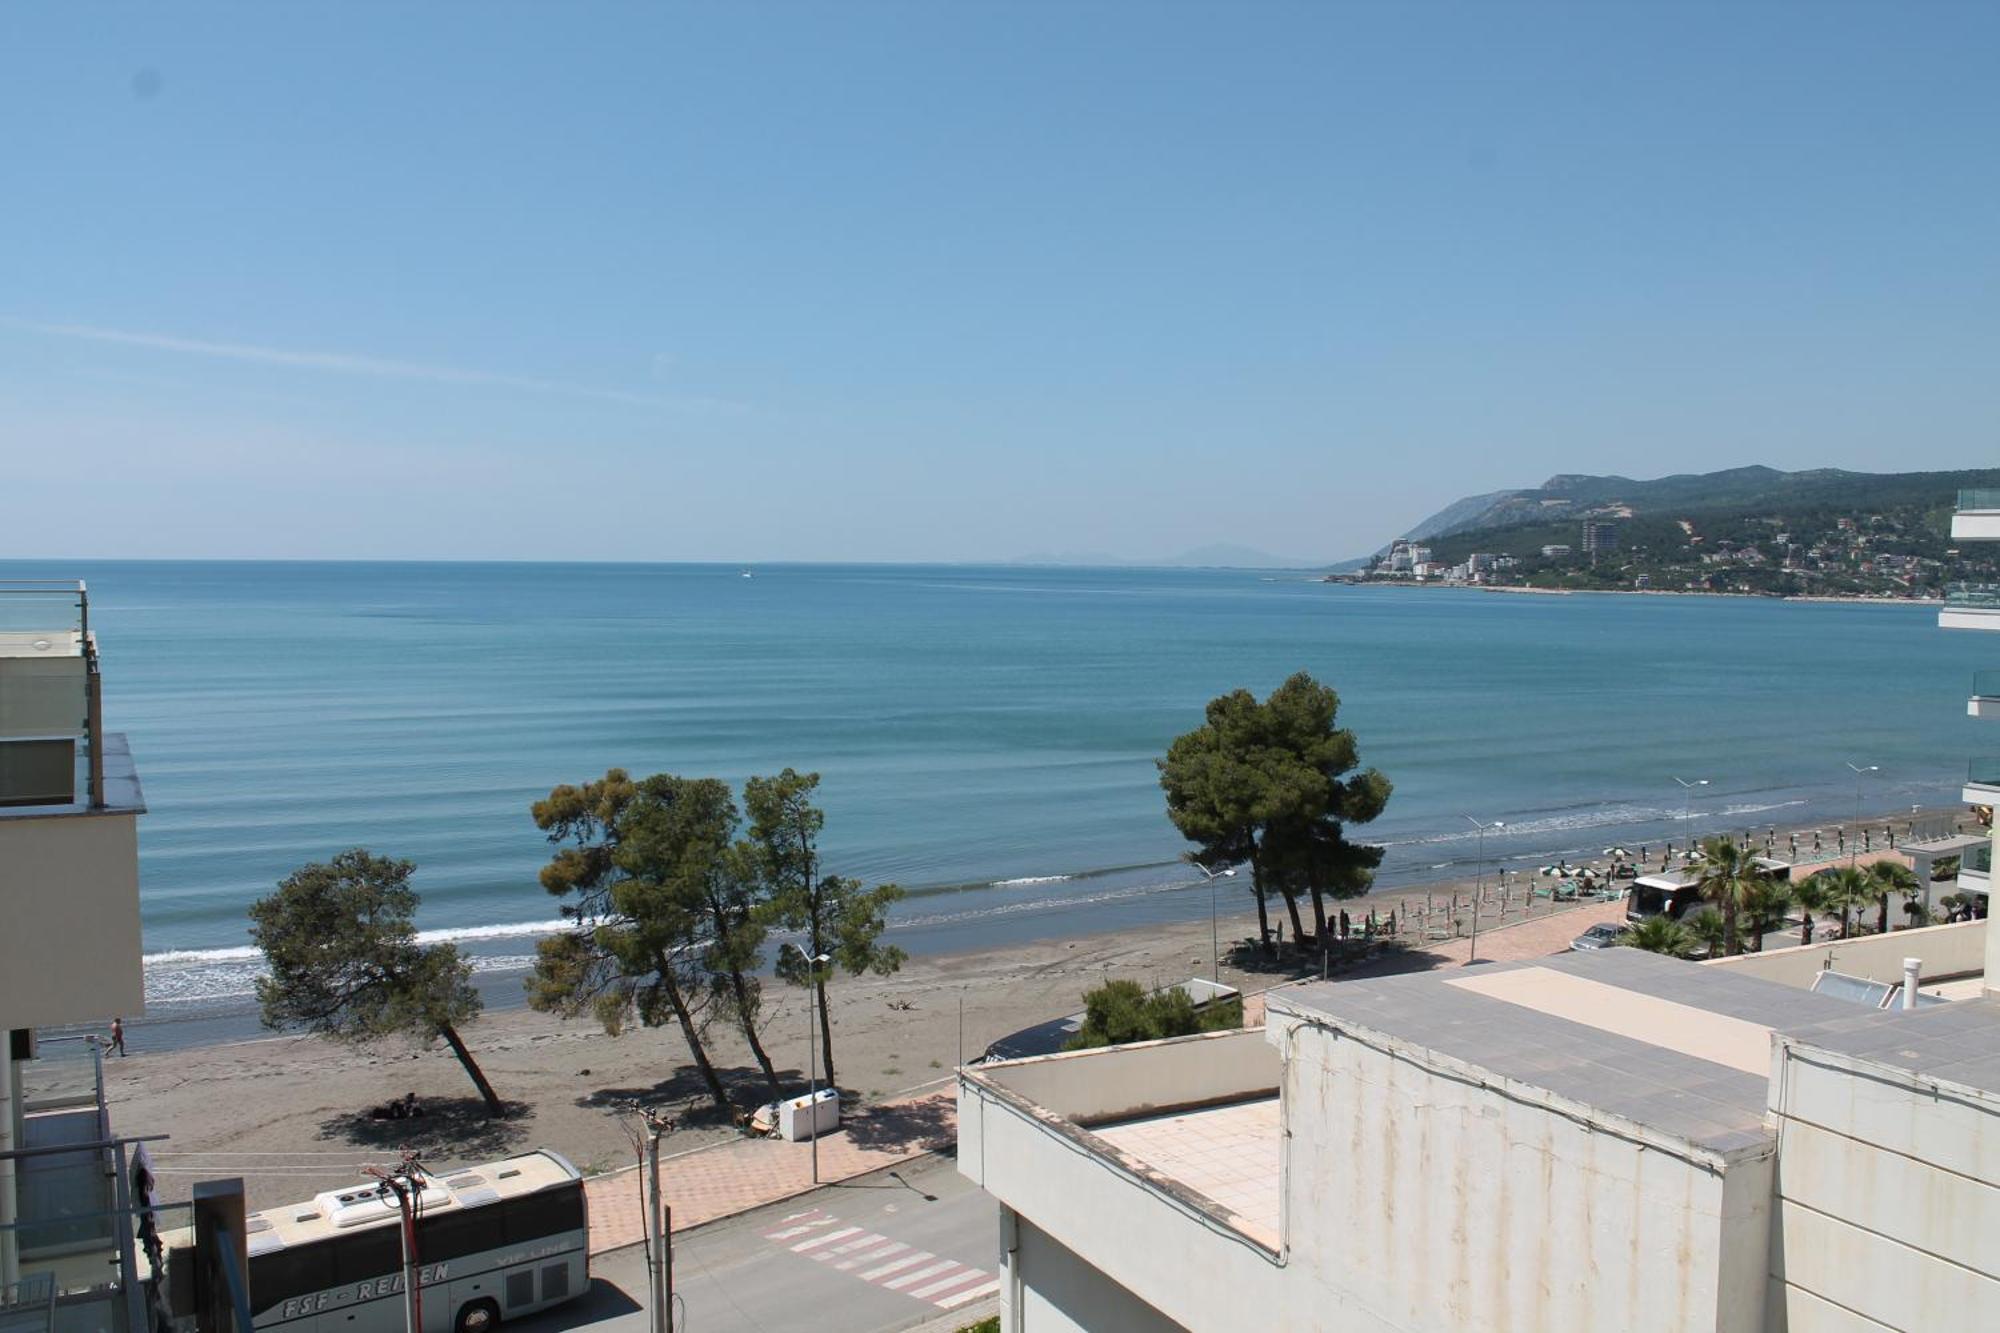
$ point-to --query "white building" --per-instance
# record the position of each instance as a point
(1977, 606)
(1607, 1140)
(69, 954)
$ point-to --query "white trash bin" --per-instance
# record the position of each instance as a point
(799, 1117)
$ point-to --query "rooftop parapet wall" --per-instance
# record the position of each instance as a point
(1087, 1087)
(1956, 950)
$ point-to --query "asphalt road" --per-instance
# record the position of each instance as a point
(864, 1256)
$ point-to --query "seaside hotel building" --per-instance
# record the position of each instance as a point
(70, 1224)
(1605, 1140)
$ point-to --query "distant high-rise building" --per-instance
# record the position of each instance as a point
(1599, 536)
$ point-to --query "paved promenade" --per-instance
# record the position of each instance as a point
(730, 1178)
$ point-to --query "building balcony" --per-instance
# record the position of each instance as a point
(1985, 698)
(1978, 517)
(1982, 782)
(1975, 868)
(1971, 606)
(69, 807)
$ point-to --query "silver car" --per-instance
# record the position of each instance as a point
(1603, 935)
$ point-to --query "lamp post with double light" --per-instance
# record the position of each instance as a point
(1854, 834)
(1687, 814)
(1478, 879)
(1214, 938)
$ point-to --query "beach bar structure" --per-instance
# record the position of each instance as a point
(1600, 1140)
(69, 955)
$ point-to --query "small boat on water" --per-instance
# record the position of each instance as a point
(746, 573)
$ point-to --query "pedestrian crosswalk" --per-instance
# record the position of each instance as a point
(874, 1258)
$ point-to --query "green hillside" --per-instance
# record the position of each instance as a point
(1752, 530)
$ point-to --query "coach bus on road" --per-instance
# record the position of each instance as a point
(493, 1243)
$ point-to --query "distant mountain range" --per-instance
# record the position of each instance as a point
(1573, 496)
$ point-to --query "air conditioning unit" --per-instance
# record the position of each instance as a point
(38, 770)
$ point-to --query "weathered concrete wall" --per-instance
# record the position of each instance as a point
(1049, 1289)
(1888, 1197)
(1449, 1205)
(69, 946)
(1948, 951)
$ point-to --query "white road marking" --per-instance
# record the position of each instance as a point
(826, 1239)
(898, 1283)
(986, 1288)
(919, 1257)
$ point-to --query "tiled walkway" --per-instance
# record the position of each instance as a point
(734, 1177)
(1225, 1153)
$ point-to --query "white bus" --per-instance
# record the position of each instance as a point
(493, 1242)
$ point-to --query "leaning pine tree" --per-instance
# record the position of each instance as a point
(341, 944)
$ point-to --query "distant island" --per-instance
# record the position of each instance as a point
(1750, 530)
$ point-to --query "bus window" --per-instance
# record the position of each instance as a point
(362, 1256)
(283, 1274)
(536, 1217)
(460, 1232)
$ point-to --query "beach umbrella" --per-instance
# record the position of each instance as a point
(1616, 851)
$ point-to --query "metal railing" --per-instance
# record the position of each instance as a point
(1979, 498)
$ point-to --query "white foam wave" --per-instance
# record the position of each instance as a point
(450, 935)
(1030, 879)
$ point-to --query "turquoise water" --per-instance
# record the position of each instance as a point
(987, 735)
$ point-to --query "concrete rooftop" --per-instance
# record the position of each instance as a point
(1680, 1049)
(1952, 1043)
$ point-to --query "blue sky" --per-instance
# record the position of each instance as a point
(964, 282)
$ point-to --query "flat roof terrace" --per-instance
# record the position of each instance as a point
(1680, 1050)
(1229, 1154)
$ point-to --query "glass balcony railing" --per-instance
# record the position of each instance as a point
(1977, 860)
(1984, 772)
(51, 607)
(1972, 596)
(1970, 501)
(1986, 684)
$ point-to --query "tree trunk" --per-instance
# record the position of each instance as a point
(716, 1091)
(749, 1025)
(1319, 916)
(1882, 916)
(1263, 909)
(825, 1032)
(478, 1076)
(1292, 907)
(1729, 949)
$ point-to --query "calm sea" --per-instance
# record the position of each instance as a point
(986, 735)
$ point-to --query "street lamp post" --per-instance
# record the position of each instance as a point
(813, 965)
(1853, 838)
(1478, 880)
(1687, 813)
(1214, 939)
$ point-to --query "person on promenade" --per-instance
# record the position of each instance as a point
(118, 1035)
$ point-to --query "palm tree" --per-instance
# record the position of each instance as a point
(1725, 876)
(1811, 895)
(1764, 903)
(1659, 934)
(1891, 877)
(1705, 927)
(1843, 889)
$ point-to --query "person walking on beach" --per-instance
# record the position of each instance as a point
(118, 1035)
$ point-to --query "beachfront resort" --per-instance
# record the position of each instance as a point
(1448, 1131)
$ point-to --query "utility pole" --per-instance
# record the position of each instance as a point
(660, 1224)
(403, 1182)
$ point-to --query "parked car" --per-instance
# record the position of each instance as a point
(1603, 935)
